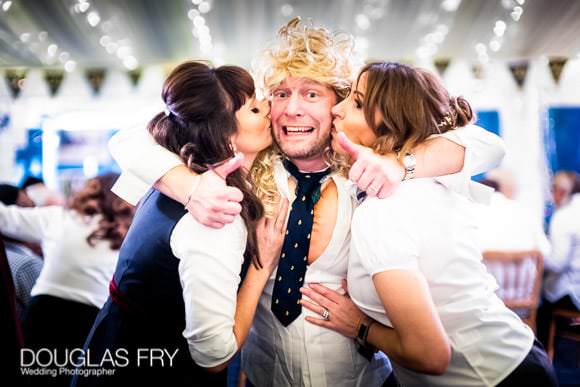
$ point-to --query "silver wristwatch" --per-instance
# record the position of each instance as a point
(409, 162)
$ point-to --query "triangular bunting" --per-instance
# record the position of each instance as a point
(519, 71)
(441, 64)
(556, 66)
(135, 76)
(15, 79)
(53, 78)
(96, 76)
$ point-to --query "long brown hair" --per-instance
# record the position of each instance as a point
(199, 121)
(413, 105)
(96, 198)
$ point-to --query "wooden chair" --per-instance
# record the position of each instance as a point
(519, 276)
(560, 313)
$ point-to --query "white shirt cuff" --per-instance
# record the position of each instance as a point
(129, 188)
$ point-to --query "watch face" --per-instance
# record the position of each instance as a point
(409, 161)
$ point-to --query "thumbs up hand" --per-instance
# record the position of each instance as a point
(378, 175)
(212, 202)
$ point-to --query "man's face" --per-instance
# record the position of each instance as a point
(301, 117)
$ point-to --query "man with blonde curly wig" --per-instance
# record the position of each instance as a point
(305, 72)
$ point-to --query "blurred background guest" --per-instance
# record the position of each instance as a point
(506, 225)
(14, 195)
(9, 321)
(40, 194)
(562, 186)
(25, 264)
(80, 245)
(562, 281)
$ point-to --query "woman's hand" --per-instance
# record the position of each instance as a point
(344, 316)
(210, 201)
(270, 233)
(377, 175)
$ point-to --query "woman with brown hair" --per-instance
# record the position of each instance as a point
(415, 269)
(181, 287)
(80, 245)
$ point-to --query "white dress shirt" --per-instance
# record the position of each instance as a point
(303, 354)
(209, 270)
(73, 270)
(426, 227)
(563, 264)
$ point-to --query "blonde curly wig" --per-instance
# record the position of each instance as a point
(305, 51)
(261, 176)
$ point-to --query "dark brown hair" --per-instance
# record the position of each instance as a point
(96, 198)
(198, 124)
(412, 103)
(576, 188)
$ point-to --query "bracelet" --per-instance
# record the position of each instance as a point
(191, 191)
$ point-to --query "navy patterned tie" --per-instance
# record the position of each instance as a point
(294, 255)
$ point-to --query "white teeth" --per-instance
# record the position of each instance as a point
(298, 129)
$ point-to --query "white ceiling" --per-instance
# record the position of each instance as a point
(39, 33)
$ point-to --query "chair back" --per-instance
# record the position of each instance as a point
(519, 276)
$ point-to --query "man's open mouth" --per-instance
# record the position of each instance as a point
(297, 130)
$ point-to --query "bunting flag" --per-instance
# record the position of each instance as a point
(441, 64)
(53, 78)
(519, 71)
(556, 66)
(15, 79)
(477, 71)
(96, 76)
(135, 76)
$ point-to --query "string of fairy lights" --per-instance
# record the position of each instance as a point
(514, 11)
(200, 29)
(111, 41)
(115, 44)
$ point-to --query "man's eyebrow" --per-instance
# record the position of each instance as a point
(314, 84)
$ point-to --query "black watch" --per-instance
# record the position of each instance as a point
(364, 348)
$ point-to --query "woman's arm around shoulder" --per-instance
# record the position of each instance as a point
(146, 163)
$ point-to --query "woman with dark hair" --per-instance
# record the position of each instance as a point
(181, 287)
(415, 269)
(80, 245)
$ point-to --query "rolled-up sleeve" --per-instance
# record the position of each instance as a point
(142, 160)
(209, 270)
(483, 152)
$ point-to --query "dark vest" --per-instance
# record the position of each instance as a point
(145, 308)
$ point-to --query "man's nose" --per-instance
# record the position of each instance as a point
(294, 106)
